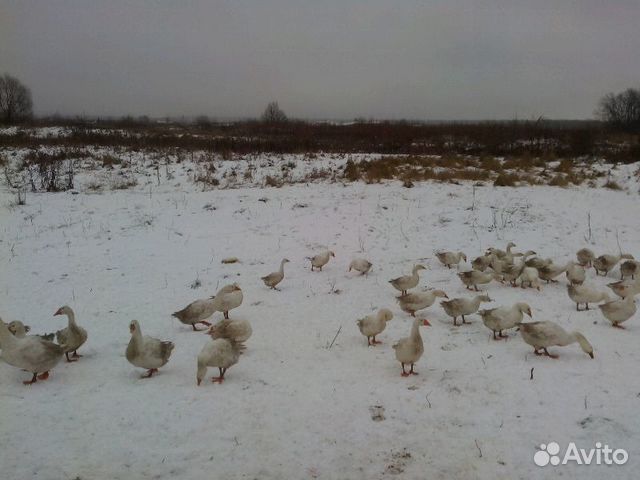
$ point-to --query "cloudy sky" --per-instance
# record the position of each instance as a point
(418, 59)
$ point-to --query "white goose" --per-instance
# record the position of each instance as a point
(72, 337)
(360, 265)
(321, 259)
(413, 302)
(221, 353)
(196, 312)
(410, 349)
(606, 263)
(576, 273)
(31, 353)
(529, 275)
(504, 318)
(451, 258)
(237, 330)
(619, 311)
(585, 257)
(373, 325)
(406, 282)
(541, 335)
(228, 298)
(630, 268)
(473, 278)
(273, 279)
(147, 352)
(459, 307)
(586, 294)
(624, 288)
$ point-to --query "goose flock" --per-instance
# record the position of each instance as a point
(39, 354)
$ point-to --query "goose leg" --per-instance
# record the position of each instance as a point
(76, 355)
(404, 374)
(43, 376)
(149, 373)
(411, 371)
(548, 354)
(226, 315)
(376, 342)
(204, 322)
(193, 325)
(33, 380)
(66, 354)
(219, 379)
(537, 351)
(454, 321)
(463, 320)
(617, 325)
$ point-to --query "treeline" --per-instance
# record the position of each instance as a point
(542, 137)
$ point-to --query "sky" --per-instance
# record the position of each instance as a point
(331, 59)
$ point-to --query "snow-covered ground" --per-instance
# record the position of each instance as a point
(293, 407)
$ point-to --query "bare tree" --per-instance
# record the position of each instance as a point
(273, 114)
(621, 110)
(15, 100)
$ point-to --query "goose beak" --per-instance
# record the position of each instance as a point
(446, 296)
(58, 312)
(27, 328)
(199, 381)
(591, 354)
(426, 323)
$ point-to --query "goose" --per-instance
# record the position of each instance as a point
(585, 257)
(549, 272)
(624, 288)
(406, 282)
(481, 263)
(606, 263)
(196, 312)
(360, 265)
(473, 278)
(504, 318)
(274, 278)
(413, 302)
(630, 268)
(529, 275)
(502, 253)
(541, 335)
(20, 330)
(459, 307)
(537, 262)
(373, 325)
(221, 353)
(31, 353)
(147, 352)
(510, 273)
(619, 311)
(228, 298)
(575, 273)
(237, 330)
(410, 349)
(72, 337)
(450, 258)
(321, 259)
(585, 294)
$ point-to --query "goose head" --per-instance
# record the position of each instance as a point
(331, 253)
(385, 314)
(440, 293)
(66, 310)
(418, 267)
(525, 308)
(134, 326)
(463, 256)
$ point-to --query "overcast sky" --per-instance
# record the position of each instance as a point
(430, 59)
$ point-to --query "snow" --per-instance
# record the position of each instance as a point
(293, 407)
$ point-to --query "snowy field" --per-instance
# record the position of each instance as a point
(293, 407)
